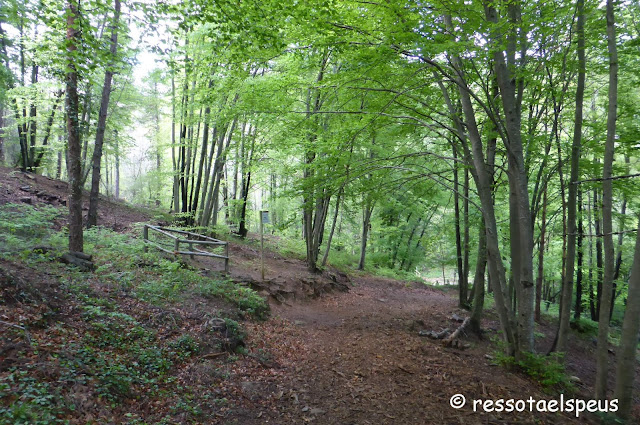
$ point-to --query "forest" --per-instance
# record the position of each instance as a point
(491, 148)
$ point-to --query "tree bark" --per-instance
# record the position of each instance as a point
(602, 353)
(475, 324)
(462, 278)
(73, 130)
(580, 248)
(510, 95)
(567, 284)
(367, 210)
(543, 229)
(333, 228)
(92, 216)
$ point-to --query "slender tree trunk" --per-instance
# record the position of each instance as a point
(367, 210)
(117, 165)
(74, 170)
(176, 186)
(510, 95)
(602, 353)
(567, 284)
(333, 228)
(543, 229)
(203, 155)
(578, 309)
(626, 354)
(33, 115)
(592, 298)
(92, 217)
(599, 254)
(462, 281)
(1, 136)
(475, 322)
(220, 169)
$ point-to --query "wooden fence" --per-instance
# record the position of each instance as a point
(191, 241)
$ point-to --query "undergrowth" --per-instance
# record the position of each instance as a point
(549, 370)
(105, 356)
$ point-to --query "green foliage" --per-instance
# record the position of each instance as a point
(22, 226)
(547, 370)
(246, 299)
(24, 400)
(183, 347)
(585, 326)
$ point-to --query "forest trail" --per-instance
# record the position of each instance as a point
(357, 358)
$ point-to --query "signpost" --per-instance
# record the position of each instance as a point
(264, 219)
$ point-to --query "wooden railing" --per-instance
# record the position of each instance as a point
(173, 247)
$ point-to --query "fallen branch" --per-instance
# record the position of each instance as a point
(448, 342)
(213, 355)
(435, 335)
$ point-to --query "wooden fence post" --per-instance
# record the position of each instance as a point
(145, 236)
(226, 260)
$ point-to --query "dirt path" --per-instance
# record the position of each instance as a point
(357, 358)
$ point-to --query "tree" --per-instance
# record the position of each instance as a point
(73, 130)
(602, 353)
(92, 217)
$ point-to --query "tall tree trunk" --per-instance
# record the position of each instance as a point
(117, 165)
(92, 217)
(579, 278)
(73, 130)
(626, 354)
(219, 170)
(543, 229)
(315, 201)
(176, 185)
(567, 284)
(462, 278)
(475, 322)
(367, 210)
(511, 97)
(333, 227)
(474, 156)
(599, 260)
(203, 155)
(592, 298)
(602, 353)
(1, 136)
(33, 115)
(618, 262)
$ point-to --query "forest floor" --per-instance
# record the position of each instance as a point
(335, 349)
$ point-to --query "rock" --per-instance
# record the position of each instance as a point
(575, 379)
(299, 323)
(26, 188)
(26, 200)
(317, 411)
(382, 300)
(305, 409)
